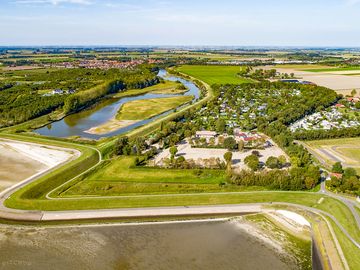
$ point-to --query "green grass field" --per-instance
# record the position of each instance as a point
(119, 177)
(215, 74)
(147, 108)
(168, 87)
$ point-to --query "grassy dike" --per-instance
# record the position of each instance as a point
(38, 189)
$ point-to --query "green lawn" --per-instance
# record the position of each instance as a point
(147, 108)
(351, 252)
(215, 74)
(122, 169)
(119, 177)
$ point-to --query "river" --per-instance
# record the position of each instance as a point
(196, 245)
(76, 124)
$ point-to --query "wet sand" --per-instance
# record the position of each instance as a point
(110, 126)
(16, 167)
(19, 161)
(199, 245)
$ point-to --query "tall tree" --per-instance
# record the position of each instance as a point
(173, 150)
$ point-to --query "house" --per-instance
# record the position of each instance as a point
(353, 99)
(339, 105)
(336, 175)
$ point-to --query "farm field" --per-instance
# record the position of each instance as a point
(215, 74)
(343, 81)
(346, 151)
(303, 66)
(147, 108)
(332, 69)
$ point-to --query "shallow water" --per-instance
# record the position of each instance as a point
(76, 124)
(204, 245)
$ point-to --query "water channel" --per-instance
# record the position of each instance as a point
(78, 123)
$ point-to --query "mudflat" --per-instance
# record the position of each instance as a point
(16, 166)
(198, 245)
(19, 161)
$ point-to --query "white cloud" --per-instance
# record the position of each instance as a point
(54, 2)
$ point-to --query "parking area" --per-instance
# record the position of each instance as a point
(198, 154)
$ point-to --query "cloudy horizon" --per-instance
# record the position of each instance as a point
(332, 23)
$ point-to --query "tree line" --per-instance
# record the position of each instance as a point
(22, 97)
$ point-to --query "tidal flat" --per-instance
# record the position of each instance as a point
(221, 244)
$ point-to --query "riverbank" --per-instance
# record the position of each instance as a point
(80, 123)
(110, 126)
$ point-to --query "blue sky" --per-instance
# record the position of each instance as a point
(185, 22)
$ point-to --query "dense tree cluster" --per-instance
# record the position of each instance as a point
(255, 105)
(23, 93)
(21, 102)
(319, 134)
(346, 182)
(293, 179)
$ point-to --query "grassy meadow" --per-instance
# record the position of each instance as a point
(147, 108)
(215, 74)
(167, 87)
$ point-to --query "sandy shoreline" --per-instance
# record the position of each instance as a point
(110, 126)
(20, 160)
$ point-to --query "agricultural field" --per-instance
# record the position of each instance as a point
(333, 69)
(147, 108)
(346, 151)
(215, 74)
(342, 80)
